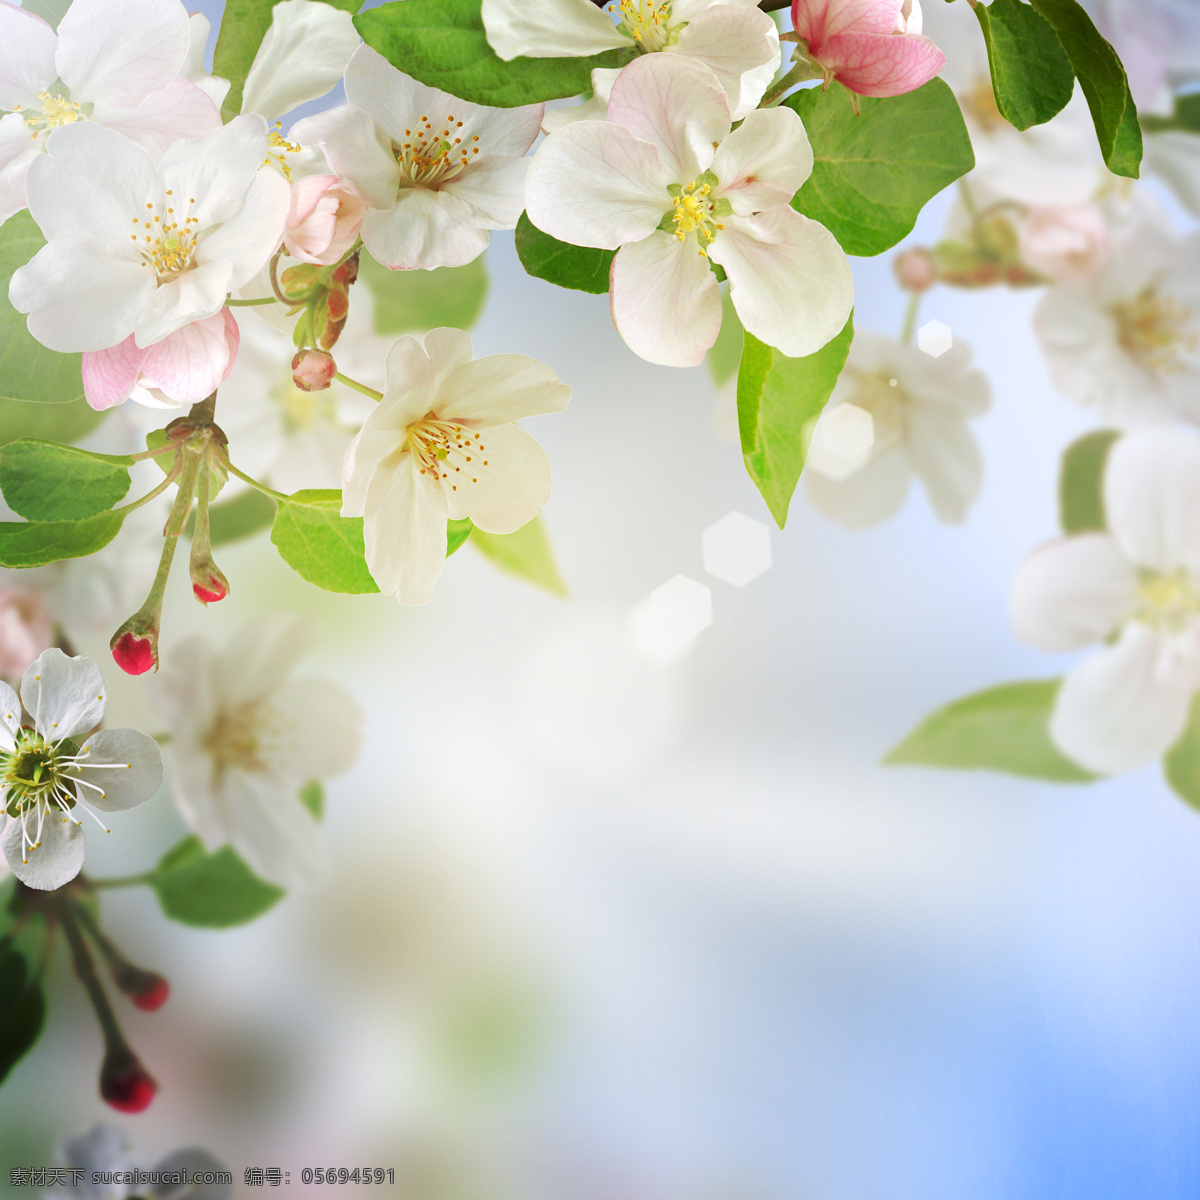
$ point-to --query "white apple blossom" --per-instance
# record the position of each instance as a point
(245, 739)
(735, 39)
(436, 172)
(665, 183)
(1127, 340)
(919, 408)
(1136, 589)
(56, 769)
(441, 446)
(135, 249)
(116, 63)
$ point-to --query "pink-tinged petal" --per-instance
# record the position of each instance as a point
(665, 301)
(869, 496)
(501, 488)
(358, 150)
(110, 375)
(27, 60)
(120, 51)
(764, 162)
(789, 279)
(323, 220)
(595, 184)
(874, 64)
(500, 388)
(1128, 704)
(180, 110)
(739, 45)
(1072, 592)
(190, 363)
(548, 28)
(675, 104)
(491, 192)
(1152, 497)
(424, 231)
(818, 20)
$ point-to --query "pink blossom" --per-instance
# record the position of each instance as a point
(324, 219)
(25, 629)
(183, 368)
(873, 47)
(1064, 243)
(313, 370)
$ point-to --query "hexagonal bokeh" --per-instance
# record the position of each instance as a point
(842, 441)
(665, 625)
(737, 549)
(935, 338)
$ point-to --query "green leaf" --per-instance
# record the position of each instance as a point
(1005, 728)
(36, 543)
(312, 796)
(321, 545)
(778, 399)
(875, 172)
(22, 1010)
(28, 371)
(442, 43)
(1181, 764)
(457, 533)
(423, 300)
(1081, 482)
(213, 891)
(1104, 84)
(1031, 73)
(44, 481)
(233, 520)
(51, 11)
(54, 422)
(582, 268)
(1186, 116)
(525, 554)
(725, 353)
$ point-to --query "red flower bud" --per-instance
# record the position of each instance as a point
(147, 989)
(313, 370)
(124, 1083)
(135, 654)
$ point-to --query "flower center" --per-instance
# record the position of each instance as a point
(167, 247)
(1167, 601)
(427, 158)
(1155, 332)
(234, 741)
(883, 397)
(446, 450)
(278, 148)
(694, 210)
(56, 110)
(647, 23)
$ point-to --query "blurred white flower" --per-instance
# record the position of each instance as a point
(1158, 42)
(919, 406)
(1127, 340)
(1135, 588)
(245, 739)
(26, 627)
(442, 445)
(1066, 242)
(53, 770)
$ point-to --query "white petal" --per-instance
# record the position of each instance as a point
(491, 192)
(216, 171)
(448, 349)
(302, 55)
(500, 490)
(675, 104)
(593, 109)
(740, 46)
(548, 28)
(595, 184)
(665, 301)
(869, 496)
(119, 51)
(500, 388)
(1072, 592)
(314, 730)
(947, 460)
(358, 150)
(180, 110)
(1152, 497)
(261, 655)
(56, 861)
(764, 162)
(27, 58)
(213, 86)
(192, 296)
(789, 279)
(136, 777)
(10, 716)
(17, 151)
(1126, 705)
(423, 231)
(271, 828)
(248, 239)
(65, 696)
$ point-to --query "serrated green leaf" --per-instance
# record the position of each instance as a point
(213, 891)
(1104, 84)
(422, 300)
(45, 481)
(874, 173)
(22, 1010)
(233, 520)
(725, 354)
(443, 44)
(581, 268)
(778, 398)
(1031, 74)
(321, 545)
(28, 371)
(36, 543)
(525, 554)
(312, 796)
(457, 533)
(53, 422)
(1081, 482)
(1004, 728)
(1181, 764)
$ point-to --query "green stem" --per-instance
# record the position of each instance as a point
(910, 317)
(254, 483)
(358, 387)
(968, 200)
(172, 475)
(232, 303)
(85, 970)
(272, 272)
(802, 71)
(328, 272)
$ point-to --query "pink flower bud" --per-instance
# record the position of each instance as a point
(25, 629)
(324, 219)
(124, 1083)
(916, 270)
(147, 989)
(313, 370)
(1063, 243)
(134, 653)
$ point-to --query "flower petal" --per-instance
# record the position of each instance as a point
(10, 716)
(741, 48)
(358, 150)
(946, 458)
(215, 172)
(248, 238)
(764, 162)
(491, 192)
(501, 490)
(867, 497)
(548, 28)
(135, 775)
(501, 388)
(271, 829)
(788, 277)
(192, 296)
(27, 63)
(110, 375)
(665, 301)
(817, 20)
(593, 109)
(874, 64)
(189, 364)
(261, 655)
(17, 151)
(1072, 592)
(315, 730)
(64, 695)
(180, 110)
(58, 858)
(424, 231)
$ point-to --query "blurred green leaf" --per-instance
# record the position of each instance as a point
(241, 517)
(1186, 116)
(1081, 482)
(1181, 765)
(22, 1010)
(488, 1033)
(45, 481)
(213, 891)
(312, 796)
(407, 301)
(525, 554)
(726, 352)
(52, 11)
(1031, 74)
(53, 422)
(457, 533)
(581, 268)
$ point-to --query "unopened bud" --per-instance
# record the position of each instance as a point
(135, 650)
(208, 582)
(147, 989)
(313, 370)
(916, 270)
(124, 1083)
